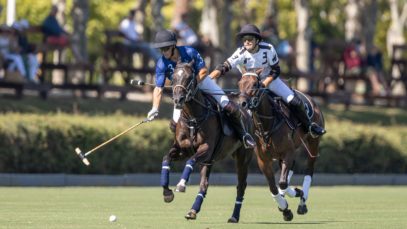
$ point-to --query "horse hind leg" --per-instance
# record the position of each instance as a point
(306, 185)
(243, 158)
(189, 166)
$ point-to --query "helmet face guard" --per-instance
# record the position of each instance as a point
(164, 38)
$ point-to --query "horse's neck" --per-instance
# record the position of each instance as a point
(265, 110)
(195, 107)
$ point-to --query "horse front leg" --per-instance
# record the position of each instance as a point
(243, 158)
(173, 154)
(290, 191)
(186, 173)
(203, 187)
(266, 166)
(165, 179)
(283, 185)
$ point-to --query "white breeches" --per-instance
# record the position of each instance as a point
(209, 86)
(16, 63)
(281, 89)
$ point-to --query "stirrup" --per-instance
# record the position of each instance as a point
(248, 141)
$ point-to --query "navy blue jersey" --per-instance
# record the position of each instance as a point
(165, 68)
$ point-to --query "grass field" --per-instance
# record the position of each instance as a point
(142, 207)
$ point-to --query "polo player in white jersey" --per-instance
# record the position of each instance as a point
(256, 54)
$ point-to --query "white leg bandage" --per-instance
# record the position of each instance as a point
(282, 203)
(281, 89)
(290, 174)
(306, 184)
(176, 114)
(209, 86)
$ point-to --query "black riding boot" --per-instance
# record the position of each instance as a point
(298, 108)
(235, 115)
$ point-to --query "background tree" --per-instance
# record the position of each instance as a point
(395, 34)
(303, 42)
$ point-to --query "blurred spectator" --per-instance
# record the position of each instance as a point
(10, 52)
(55, 35)
(133, 40)
(352, 59)
(374, 64)
(27, 50)
(186, 35)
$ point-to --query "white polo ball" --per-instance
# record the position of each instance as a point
(112, 218)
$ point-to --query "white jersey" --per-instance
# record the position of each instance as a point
(265, 57)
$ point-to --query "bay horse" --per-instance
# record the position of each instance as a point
(202, 134)
(279, 136)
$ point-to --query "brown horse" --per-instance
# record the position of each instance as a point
(279, 136)
(201, 134)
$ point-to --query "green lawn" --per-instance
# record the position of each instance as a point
(142, 207)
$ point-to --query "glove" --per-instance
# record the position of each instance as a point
(152, 114)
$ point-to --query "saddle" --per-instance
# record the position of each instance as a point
(194, 126)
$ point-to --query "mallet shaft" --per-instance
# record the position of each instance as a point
(113, 138)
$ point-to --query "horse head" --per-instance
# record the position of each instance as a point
(250, 87)
(185, 83)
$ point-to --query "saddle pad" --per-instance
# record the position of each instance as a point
(307, 103)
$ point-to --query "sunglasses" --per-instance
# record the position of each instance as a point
(248, 38)
(164, 49)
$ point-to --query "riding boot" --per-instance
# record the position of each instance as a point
(239, 125)
(298, 108)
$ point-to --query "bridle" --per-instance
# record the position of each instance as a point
(191, 88)
(253, 101)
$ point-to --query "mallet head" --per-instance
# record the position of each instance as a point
(82, 156)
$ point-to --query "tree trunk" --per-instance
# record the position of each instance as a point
(395, 34)
(209, 23)
(156, 6)
(80, 16)
(304, 36)
(352, 24)
(369, 19)
(57, 76)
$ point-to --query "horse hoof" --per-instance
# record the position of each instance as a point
(302, 209)
(180, 188)
(233, 220)
(191, 215)
(287, 214)
(168, 195)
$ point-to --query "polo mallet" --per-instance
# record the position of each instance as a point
(83, 156)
